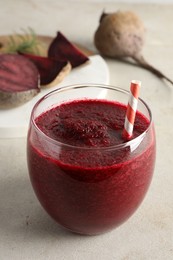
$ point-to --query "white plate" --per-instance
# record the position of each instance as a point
(14, 122)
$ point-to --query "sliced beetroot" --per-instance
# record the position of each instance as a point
(19, 80)
(48, 68)
(62, 49)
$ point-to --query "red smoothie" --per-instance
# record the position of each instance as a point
(84, 174)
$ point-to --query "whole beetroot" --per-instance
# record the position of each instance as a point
(121, 35)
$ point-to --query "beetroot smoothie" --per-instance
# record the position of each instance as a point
(83, 173)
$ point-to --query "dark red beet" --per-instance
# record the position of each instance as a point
(48, 68)
(19, 80)
(62, 49)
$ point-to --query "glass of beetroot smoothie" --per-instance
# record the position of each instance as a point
(87, 178)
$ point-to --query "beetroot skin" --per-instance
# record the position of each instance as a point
(62, 49)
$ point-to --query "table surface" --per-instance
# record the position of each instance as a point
(26, 231)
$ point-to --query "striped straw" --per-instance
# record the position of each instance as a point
(131, 110)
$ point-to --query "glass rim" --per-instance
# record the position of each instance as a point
(127, 143)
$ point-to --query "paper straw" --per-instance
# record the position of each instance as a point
(131, 110)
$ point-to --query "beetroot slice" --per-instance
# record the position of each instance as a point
(62, 49)
(48, 68)
(19, 80)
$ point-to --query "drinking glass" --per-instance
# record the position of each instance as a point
(89, 190)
